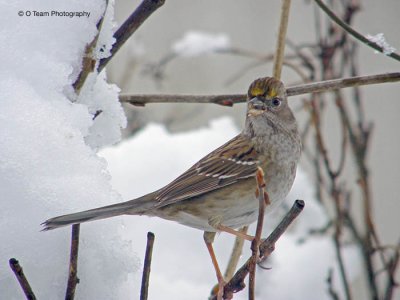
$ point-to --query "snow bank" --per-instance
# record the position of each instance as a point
(48, 164)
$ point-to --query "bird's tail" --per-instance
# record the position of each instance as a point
(133, 207)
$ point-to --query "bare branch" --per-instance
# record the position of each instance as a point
(286, 62)
(391, 282)
(280, 44)
(268, 245)
(235, 255)
(331, 290)
(144, 291)
(263, 200)
(336, 84)
(229, 100)
(339, 257)
(135, 20)
(157, 69)
(73, 280)
(23, 282)
(141, 100)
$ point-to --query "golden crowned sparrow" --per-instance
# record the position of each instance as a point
(217, 193)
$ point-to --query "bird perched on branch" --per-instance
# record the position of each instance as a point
(217, 193)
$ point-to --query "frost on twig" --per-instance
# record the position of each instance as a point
(380, 40)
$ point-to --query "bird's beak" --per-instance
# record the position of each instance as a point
(256, 103)
(256, 107)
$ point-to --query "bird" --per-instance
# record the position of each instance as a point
(217, 194)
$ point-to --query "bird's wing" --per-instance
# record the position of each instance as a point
(233, 161)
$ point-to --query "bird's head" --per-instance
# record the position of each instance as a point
(266, 94)
(267, 105)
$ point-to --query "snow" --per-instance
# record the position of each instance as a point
(195, 43)
(96, 96)
(49, 166)
(380, 40)
(48, 162)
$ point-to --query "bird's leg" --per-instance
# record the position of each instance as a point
(240, 234)
(215, 222)
(209, 239)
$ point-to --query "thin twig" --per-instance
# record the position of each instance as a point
(336, 84)
(236, 284)
(157, 69)
(391, 281)
(23, 282)
(73, 280)
(306, 61)
(366, 255)
(364, 132)
(262, 200)
(339, 257)
(144, 291)
(353, 32)
(235, 255)
(319, 138)
(286, 62)
(134, 21)
(359, 144)
(280, 44)
(141, 100)
(268, 245)
(331, 290)
(335, 192)
(337, 56)
(303, 76)
(343, 152)
(229, 100)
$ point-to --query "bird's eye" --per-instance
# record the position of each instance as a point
(276, 102)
